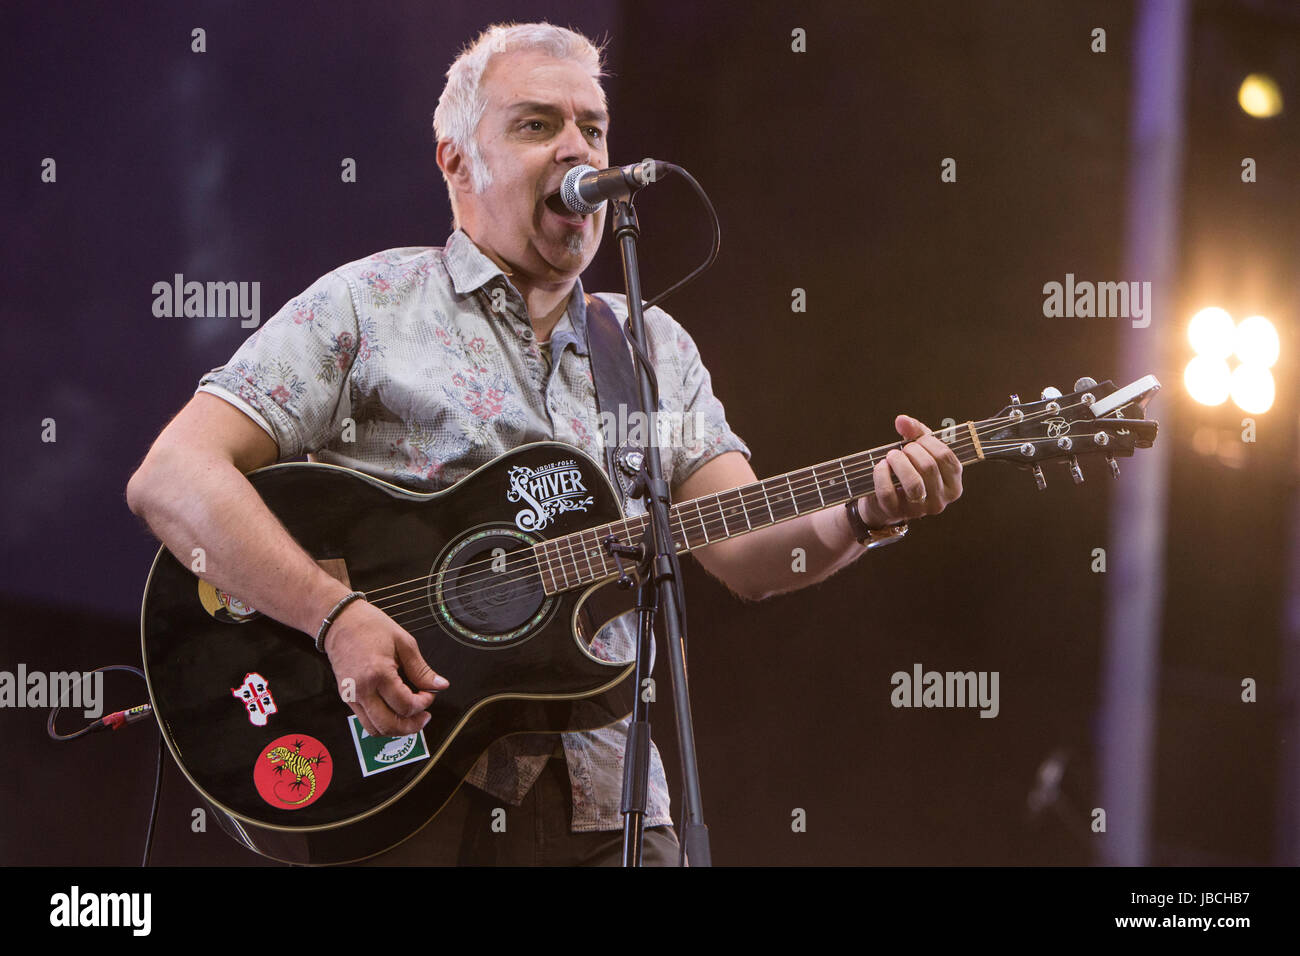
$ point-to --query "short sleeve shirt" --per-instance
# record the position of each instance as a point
(420, 365)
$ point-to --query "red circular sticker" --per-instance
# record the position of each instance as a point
(293, 771)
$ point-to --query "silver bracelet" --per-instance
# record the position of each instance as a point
(329, 618)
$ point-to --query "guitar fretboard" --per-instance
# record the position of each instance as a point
(581, 559)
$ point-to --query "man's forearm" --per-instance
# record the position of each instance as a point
(191, 501)
(791, 555)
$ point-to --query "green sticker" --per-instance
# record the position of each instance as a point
(378, 754)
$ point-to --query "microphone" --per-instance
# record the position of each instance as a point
(585, 189)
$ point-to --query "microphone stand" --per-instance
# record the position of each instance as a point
(656, 590)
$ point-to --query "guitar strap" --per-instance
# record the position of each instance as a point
(616, 385)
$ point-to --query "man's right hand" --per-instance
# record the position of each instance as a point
(368, 646)
(186, 489)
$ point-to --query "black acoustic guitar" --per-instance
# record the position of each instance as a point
(496, 577)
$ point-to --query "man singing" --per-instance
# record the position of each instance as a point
(418, 366)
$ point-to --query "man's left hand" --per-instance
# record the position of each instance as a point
(928, 471)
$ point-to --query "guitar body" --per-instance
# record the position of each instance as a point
(253, 714)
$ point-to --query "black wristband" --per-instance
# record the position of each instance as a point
(872, 537)
(329, 618)
(858, 526)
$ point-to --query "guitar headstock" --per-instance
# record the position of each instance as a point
(1094, 419)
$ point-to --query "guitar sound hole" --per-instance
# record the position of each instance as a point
(487, 589)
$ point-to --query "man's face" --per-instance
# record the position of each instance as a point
(543, 117)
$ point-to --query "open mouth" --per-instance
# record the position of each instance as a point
(556, 205)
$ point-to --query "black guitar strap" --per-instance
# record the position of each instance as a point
(616, 384)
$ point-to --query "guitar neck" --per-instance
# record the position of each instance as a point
(581, 559)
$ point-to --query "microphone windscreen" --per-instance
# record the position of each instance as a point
(570, 196)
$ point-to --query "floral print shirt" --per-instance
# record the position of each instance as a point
(418, 366)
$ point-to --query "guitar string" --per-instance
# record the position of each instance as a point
(531, 565)
(804, 484)
(421, 622)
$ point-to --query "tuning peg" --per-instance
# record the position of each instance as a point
(1051, 392)
(1114, 466)
(1075, 471)
(1083, 383)
(1038, 477)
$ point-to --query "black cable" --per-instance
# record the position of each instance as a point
(641, 357)
(717, 236)
(54, 712)
(136, 713)
(153, 811)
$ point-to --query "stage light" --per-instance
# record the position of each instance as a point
(1211, 333)
(1253, 389)
(1259, 96)
(1208, 380)
(1256, 342)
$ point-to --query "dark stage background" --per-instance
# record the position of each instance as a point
(923, 297)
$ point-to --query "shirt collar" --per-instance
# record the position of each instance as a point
(471, 269)
(467, 265)
(572, 327)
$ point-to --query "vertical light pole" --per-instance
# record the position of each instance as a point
(1135, 556)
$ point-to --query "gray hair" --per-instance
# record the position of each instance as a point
(462, 103)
